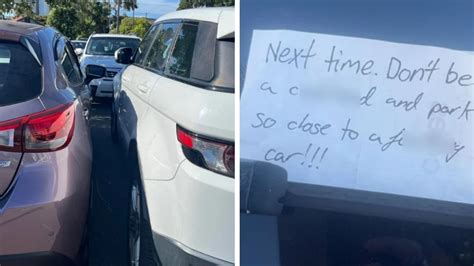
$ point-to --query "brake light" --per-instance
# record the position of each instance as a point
(215, 155)
(44, 131)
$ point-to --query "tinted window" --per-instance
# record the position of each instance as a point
(161, 47)
(145, 44)
(69, 68)
(75, 60)
(203, 67)
(181, 59)
(70, 65)
(108, 45)
(224, 76)
(20, 74)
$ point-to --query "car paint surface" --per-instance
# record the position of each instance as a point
(187, 204)
(45, 207)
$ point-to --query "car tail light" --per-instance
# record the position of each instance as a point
(44, 131)
(212, 154)
(10, 135)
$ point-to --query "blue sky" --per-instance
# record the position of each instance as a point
(154, 8)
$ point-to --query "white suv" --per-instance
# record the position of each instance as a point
(175, 115)
(100, 50)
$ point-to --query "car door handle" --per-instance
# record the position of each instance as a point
(143, 89)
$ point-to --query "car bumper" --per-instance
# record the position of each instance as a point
(45, 211)
(102, 87)
(172, 252)
(194, 213)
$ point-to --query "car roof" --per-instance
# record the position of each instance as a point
(223, 16)
(10, 30)
(107, 35)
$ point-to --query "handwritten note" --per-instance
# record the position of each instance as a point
(361, 114)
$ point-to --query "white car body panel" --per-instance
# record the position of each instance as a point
(224, 16)
(186, 203)
(200, 212)
(174, 192)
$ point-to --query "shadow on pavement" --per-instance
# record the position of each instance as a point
(108, 216)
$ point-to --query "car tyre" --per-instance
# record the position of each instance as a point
(141, 249)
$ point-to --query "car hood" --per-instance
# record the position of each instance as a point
(101, 60)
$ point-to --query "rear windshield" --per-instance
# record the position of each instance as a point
(20, 74)
(108, 45)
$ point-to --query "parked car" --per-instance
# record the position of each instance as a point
(174, 114)
(78, 46)
(100, 49)
(45, 147)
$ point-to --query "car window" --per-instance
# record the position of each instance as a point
(181, 59)
(145, 44)
(67, 62)
(76, 44)
(74, 59)
(224, 76)
(158, 54)
(20, 74)
(108, 45)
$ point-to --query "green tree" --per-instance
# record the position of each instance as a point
(6, 6)
(138, 27)
(130, 4)
(19, 8)
(78, 18)
(65, 19)
(93, 18)
(41, 19)
(185, 4)
(125, 4)
(24, 9)
(56, 3)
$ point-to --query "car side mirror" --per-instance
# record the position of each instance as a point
(94, 72)
(124, 55)
(78, 51)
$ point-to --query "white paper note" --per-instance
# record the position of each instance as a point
(361, 114)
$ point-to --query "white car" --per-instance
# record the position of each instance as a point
(174, 113)
(99, 50)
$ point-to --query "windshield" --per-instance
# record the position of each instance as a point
(79, 44)
(107, 45)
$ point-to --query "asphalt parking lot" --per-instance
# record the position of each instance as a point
(108, 216)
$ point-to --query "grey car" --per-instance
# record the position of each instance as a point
(45, 147)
